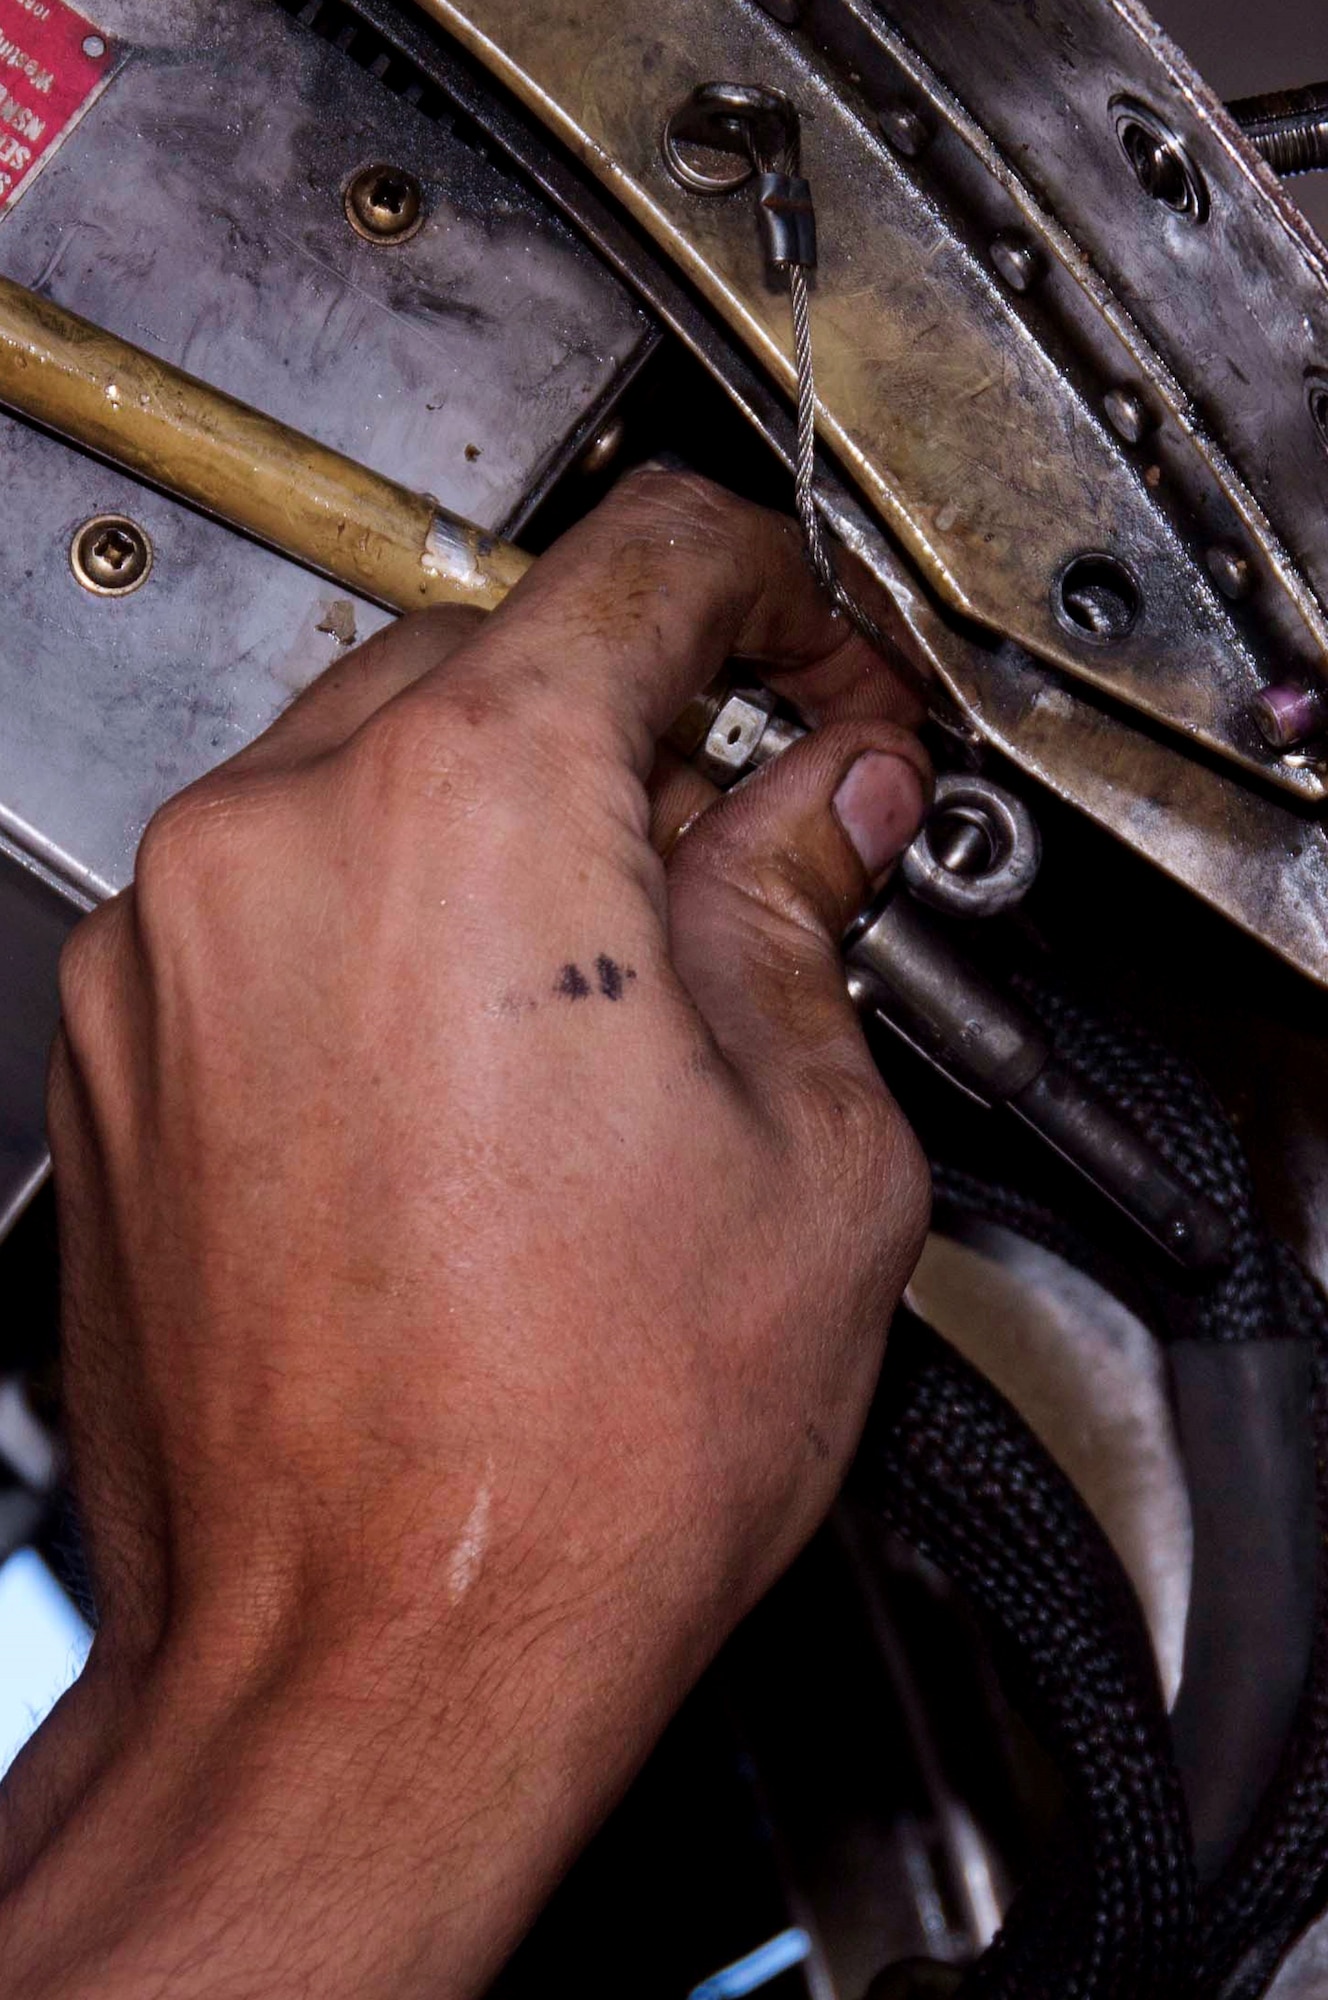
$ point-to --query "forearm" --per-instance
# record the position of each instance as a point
(378, 1816)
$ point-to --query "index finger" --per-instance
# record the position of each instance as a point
(636, 609)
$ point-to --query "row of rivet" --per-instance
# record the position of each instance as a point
(1287, 714)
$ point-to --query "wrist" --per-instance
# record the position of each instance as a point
(376, 1809)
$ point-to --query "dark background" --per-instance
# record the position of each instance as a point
(1243, 46)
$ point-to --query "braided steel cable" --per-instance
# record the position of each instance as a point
(804, 488)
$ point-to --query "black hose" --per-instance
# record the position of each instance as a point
(953, 1469)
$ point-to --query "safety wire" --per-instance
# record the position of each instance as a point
(789, 229)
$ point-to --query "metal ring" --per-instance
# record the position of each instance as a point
(692, 177)
(1160, 160)
(1013, 849)
(725, 117)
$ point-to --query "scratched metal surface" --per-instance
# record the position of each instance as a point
(1238, 305)
(197, 210)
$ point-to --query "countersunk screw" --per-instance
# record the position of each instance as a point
(1016, 260)
(1128, 414)
(110, 555)
(384, 204)
(903, 127)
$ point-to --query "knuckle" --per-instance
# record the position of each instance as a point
(88, 968)
(439, 630)
(402, 758)
(201, 846)
(684, 512)
(176, 835)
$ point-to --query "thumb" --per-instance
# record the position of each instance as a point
(763, 885)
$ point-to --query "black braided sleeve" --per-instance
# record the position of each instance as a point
(951, 1467)
(1277, 1881)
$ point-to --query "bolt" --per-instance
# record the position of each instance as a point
(1016, 259)
(384, 204)
(1128, 414)
(1231, 570)
(110, 555)
(1289, 127)
(905, 129)
(1288, 714)
(603, 448)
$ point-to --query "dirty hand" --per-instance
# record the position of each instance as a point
(479, 1239)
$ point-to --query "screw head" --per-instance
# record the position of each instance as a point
(1231, 570)
(110, 555)
(1016, 259)
(903, 128)
(603, 448)
(1128, 414)
(384, 204)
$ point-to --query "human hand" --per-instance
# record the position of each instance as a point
(479, 1238)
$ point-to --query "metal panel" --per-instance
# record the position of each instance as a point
(1238, 304)
(198, 211)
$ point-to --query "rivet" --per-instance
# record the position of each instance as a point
(384, 204)
(904, 128)
(110, 555)
(603, 448)
(1128, 414)
(1016, 259)
(1231, 570)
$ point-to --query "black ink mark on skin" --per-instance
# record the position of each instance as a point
(613, 978)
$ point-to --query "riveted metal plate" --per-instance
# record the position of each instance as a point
(988, 460)
(198, 210)
(1238, 305)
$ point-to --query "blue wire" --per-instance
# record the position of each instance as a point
(757, 1969)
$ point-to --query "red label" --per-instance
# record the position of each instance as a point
(52, 64)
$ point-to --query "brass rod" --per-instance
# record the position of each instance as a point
(149, 418)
